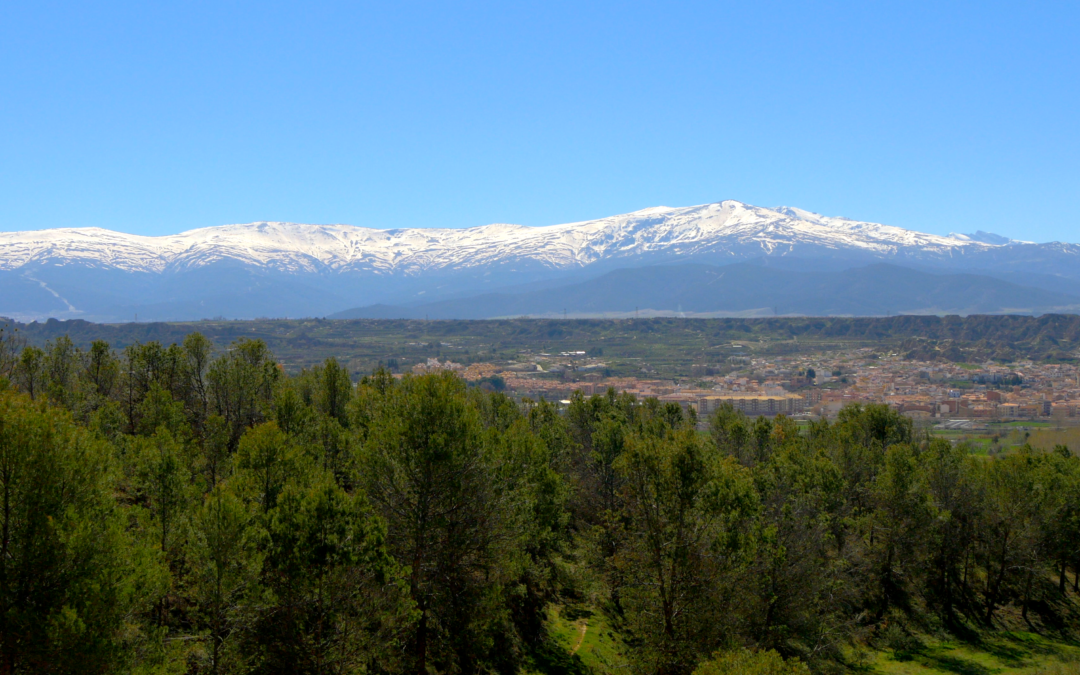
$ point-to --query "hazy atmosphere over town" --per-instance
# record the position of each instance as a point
(540, 338)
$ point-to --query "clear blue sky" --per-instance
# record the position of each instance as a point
(155, 117)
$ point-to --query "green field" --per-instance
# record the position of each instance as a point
(1022, 424)
(1005, 437)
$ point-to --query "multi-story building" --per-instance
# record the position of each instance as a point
(753, 404)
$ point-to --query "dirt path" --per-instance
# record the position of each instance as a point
(581, 636)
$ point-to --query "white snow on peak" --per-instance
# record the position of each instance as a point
(682, 231)
(988, 238)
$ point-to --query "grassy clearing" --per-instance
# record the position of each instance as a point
(599, 651)
(1009, 653)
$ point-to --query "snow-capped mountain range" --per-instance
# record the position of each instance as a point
(298, 269)
(294, 247)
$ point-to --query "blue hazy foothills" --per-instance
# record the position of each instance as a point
(153, 118)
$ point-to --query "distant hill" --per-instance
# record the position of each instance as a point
(365, 343)
(749, 290)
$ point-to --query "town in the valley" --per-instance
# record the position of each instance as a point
(949, 395)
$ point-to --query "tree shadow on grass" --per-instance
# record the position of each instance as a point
(553, 659)
(1013, 655)
(1009, 648)
(940, 662)
(954, 664)
(573, 613)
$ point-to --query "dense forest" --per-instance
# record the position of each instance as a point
(172, 509)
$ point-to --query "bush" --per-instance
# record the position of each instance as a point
(746, 662)
(896, 638)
